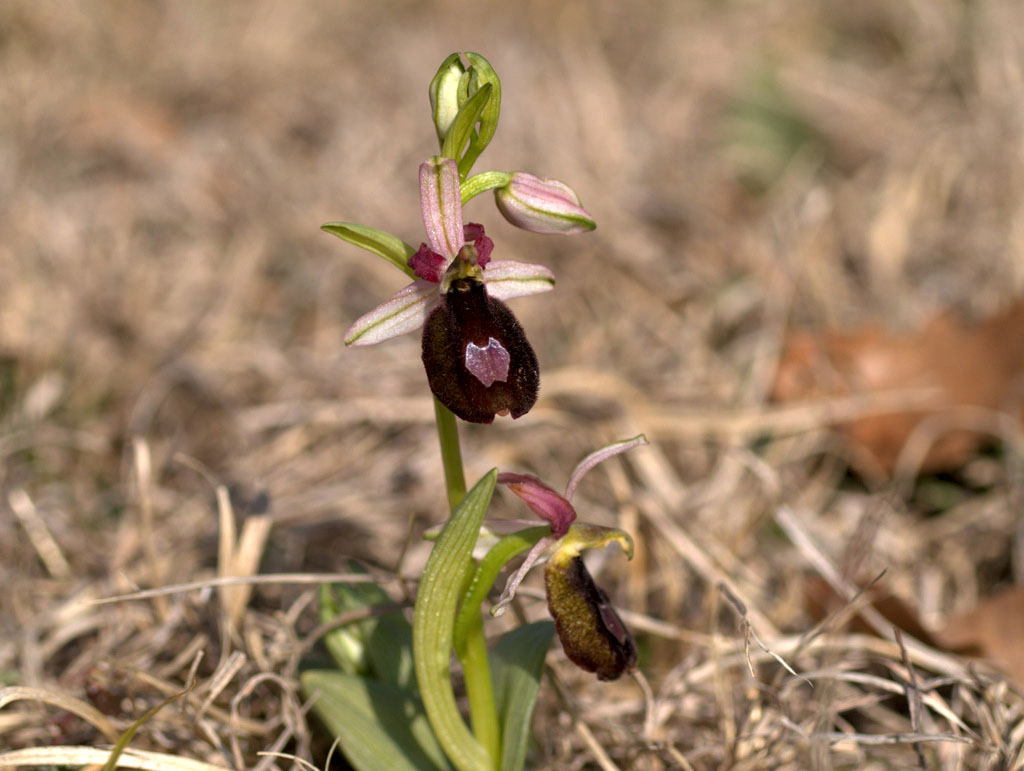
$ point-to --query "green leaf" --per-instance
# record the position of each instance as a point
(462, 127)
(481, 74)
(484, 576)
(443, 580)
(379, 645)
(345, 644)
(517, 662)
(379, 725)
(390, 649)
(391, 248)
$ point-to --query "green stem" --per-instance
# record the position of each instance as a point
(483, 579)
(482, 182)
(476, 667)
(470, 644)
(451, 454)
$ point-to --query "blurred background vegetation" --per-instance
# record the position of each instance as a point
(171, 320)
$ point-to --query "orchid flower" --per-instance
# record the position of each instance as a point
(592, 634)
(407, 310)
(478, 360)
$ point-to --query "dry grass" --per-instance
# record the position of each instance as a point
(176, 403)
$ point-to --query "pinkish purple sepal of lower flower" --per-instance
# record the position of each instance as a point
(549, 505)
(599, 456)
(542, 500)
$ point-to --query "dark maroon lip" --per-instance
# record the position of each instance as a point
(468, 315)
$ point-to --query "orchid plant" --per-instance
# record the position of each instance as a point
(392, 702)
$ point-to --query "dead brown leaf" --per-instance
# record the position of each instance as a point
(821, 601)
(968, 365)
(993, 630)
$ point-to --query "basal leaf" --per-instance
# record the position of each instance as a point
(444, 579)
(517, 662)
(379, 725)
(379, 645)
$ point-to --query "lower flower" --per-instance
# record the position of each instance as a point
(591, 631)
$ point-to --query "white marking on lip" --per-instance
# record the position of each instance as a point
(489, 363)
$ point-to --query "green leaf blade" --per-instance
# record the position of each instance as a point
(380, 645)
(379, 725)
(517, 662)
(346, 644)
(443, 580)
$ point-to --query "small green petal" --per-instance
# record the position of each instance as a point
(582, 536)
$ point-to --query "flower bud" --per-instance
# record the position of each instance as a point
(542, 205)
(444, 94)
